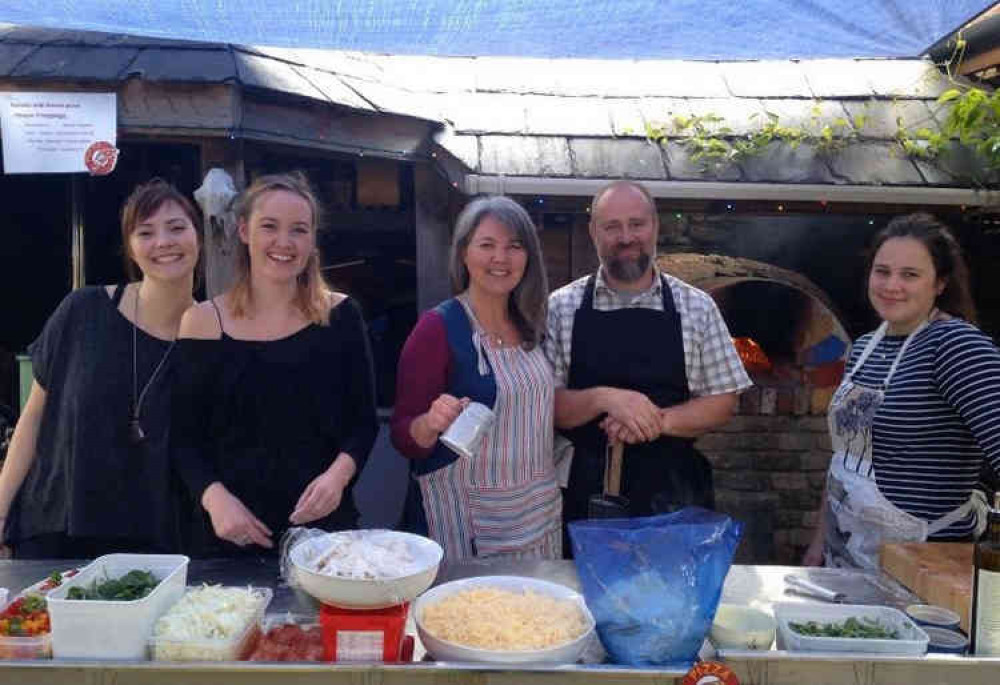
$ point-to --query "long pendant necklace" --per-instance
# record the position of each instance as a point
(135, 432)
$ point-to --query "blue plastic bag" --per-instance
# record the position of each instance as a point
(653, 583)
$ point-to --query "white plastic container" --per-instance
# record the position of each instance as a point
(234, 648)
(98, 629)
(912, 639)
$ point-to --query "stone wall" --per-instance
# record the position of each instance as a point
(769, 474)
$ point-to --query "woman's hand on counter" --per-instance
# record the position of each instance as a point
(231, 520)
(322, 496)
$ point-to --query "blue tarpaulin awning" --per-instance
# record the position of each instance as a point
(607, 29)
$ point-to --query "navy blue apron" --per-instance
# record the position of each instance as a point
(643, 350)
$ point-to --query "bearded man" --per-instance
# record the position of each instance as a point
(642, 358)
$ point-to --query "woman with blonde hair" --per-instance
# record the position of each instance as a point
(275, 411)
(483, 345)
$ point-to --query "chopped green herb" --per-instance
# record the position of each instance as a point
(864, 627)
(33, 603)
(133, 585)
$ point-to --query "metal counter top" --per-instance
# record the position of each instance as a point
(754, 585)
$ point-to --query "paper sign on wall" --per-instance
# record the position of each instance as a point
(58, 132)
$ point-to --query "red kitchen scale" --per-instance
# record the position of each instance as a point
(366, 634)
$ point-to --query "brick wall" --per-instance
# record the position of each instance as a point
(769, 474)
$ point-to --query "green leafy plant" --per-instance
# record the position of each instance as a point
(714, 144)
(972, 120)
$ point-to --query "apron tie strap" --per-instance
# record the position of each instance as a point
(478, 343)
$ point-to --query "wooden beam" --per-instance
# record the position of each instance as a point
(984, 60)
(146, 105)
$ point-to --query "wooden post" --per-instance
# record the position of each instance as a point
(433, 236)
(219, 251)
(77, 234)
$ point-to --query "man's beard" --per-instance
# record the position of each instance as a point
(627, 269)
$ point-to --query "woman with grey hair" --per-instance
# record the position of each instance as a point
(483, 345)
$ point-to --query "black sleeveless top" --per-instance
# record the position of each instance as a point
(266, 417)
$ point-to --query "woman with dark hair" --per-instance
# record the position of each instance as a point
(87, 471)
(274, 411)
(917, 415)
(483, 345)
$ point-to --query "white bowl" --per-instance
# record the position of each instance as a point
(930, 615)
(741, 627)
(443, 650)
(353, 593)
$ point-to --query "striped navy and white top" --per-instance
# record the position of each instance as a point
(939, 420)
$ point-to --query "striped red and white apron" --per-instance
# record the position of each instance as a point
(505, 501)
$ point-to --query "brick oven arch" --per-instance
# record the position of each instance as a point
(788, 315)
(770, 461)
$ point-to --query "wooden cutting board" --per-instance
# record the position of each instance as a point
(938, 572)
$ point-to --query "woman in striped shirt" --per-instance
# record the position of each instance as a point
(918, 412)
(483, 345)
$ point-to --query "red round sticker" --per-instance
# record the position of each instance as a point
(100, 158)
(710, 673)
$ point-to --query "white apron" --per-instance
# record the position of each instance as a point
(859, 518)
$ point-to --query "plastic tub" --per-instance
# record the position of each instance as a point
(39, 647)
(97, 629)
(912, 639)
(235, 648)
(363, 635)
(740, 627)
(304, 643)
(944, 641)
(930, 615)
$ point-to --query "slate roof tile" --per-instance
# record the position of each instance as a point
(261, 72)
(768, 78)
(522, 156)
(604, 158)
(171, 64)
(73, 62)
(875, 164)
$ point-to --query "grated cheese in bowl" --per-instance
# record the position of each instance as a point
(209, 623)
(500, 619)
